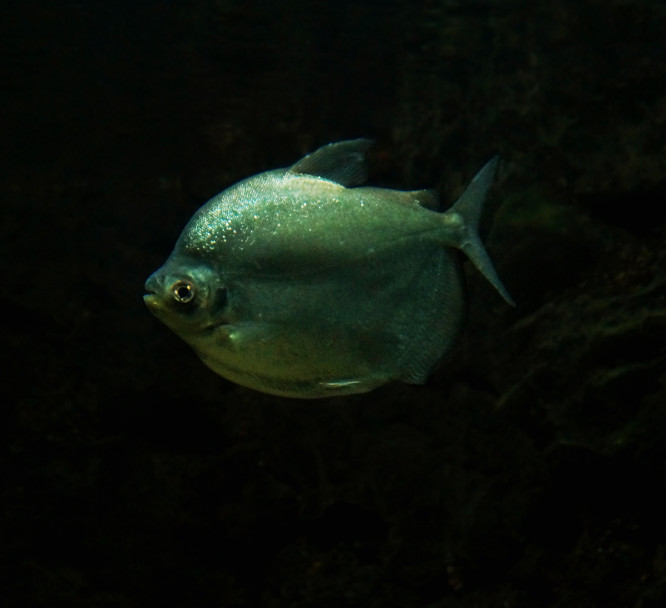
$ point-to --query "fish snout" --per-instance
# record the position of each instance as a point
(153, 283)
(153, 289)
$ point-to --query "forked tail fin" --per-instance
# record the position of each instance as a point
(469, 207)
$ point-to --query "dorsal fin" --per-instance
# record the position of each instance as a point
(343, 162)
(411, 198)
(426, 198)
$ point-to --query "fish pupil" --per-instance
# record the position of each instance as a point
(183, 292)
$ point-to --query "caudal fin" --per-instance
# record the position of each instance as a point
(469, 207)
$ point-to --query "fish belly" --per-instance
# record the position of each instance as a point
(347, 329)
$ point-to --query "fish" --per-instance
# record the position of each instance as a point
(304, 282)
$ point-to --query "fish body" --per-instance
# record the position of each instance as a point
(302, 282)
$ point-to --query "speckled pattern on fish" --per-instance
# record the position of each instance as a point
(305, 283)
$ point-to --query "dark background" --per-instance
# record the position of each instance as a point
(529, 471)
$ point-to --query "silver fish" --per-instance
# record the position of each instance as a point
(301, 282)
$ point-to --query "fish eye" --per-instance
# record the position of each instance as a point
(183, 291)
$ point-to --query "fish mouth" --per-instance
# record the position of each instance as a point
(152, 300)
(150, 296)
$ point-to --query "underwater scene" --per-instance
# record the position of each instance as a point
(333, 304)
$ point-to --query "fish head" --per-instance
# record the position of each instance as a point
(188, 297)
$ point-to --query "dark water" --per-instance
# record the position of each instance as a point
(527, 472)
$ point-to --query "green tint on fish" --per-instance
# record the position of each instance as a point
(302, 282)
